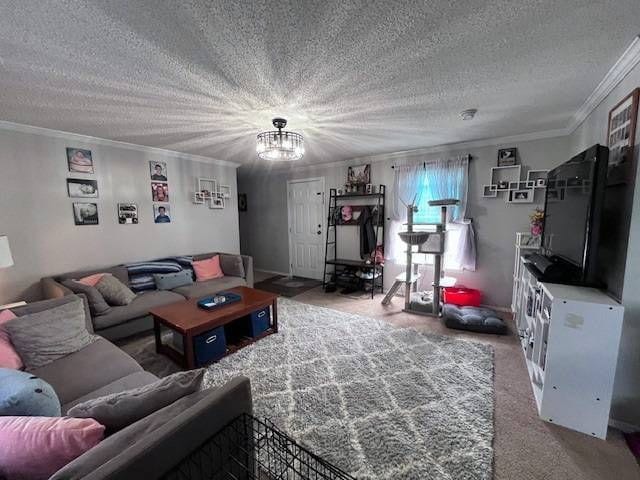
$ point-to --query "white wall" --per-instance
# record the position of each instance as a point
(626, 402)
(36, 212)
(265, 224)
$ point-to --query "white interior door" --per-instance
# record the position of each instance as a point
(306, 227)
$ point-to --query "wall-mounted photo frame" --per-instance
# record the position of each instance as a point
(621, 131)
(85, 213)
(216, 203)
(79, 160)
(159, 192)
(521, 196)
(242, 202)
(359, 175)
(127, 214)
(161, 214)
(507, 157)
(82, 188)
(158, 171)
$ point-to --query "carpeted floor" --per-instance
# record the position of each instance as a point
(380, 402)
(525, 447)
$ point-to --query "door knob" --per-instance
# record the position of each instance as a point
(319, 232)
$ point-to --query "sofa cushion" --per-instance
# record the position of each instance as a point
(97, 304)
(23, 393)
(36, 447)
(139, 307)
(9, 358)
(209, 287)
(121, 409)
(208, 269)
(111, 456)
(169, 281)
(232, 265)
(133, 380)
(42, 305)
(114, 291)
(43, 337)
(118, 271)
(87, 370)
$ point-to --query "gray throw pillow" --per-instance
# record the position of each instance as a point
(97, 305)
(118, 410)
(114, 291)
(232, 265)
(169, 281)
(42, 337)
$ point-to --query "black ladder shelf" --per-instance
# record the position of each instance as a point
(337, 270)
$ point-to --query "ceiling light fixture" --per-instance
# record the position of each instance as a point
(280, 145)
(468, 114)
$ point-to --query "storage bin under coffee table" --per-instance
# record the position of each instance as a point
(198, 337)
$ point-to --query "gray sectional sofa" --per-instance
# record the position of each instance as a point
(153, 445)
(134, 318)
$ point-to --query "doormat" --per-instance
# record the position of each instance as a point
(287, 286)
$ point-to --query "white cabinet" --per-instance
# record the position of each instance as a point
(570, 338)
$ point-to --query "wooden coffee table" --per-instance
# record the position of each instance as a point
(186, 319)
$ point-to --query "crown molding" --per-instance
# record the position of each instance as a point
(381, 157)
(627, 62)
(19, 127)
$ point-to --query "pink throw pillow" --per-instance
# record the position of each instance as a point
(37, 447)
(208, 269)
(92, 280)
(9, 358)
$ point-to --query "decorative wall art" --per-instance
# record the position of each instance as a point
(507, 157)
(127, 213)
(209, 190)
(85, 213)
(621, 131)
(507, 180)
(359, 175)
(82, 188)
(79, 160)
(158, 171)
(161, 214)
(159, 192)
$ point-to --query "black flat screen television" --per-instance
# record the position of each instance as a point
(573, 215)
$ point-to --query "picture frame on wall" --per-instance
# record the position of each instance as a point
(159, 192)
(507, 157)
(161, 214)
(127, 214)
(216, 203)
(85, 213)
(621, 130)
(521, 196)
(359, 175)
(158, 171)
(82, 188)
(80, 160)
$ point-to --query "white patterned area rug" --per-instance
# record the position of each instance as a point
(378, 401)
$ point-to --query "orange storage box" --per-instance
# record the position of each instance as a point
(466, 297)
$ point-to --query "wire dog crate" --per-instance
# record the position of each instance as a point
(252, 449)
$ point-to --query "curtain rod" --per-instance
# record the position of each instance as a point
(424, 164)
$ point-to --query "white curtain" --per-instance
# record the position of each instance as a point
(433, 180)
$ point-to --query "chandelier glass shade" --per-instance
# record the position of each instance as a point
(280, 145)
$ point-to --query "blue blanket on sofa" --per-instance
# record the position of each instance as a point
(141, 273)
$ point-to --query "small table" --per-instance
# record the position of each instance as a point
(188, 320)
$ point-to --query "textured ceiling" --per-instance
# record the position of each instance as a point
(355, 77)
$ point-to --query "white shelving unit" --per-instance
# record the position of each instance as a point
(508, 180)
(525, 244)
(570, 338)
